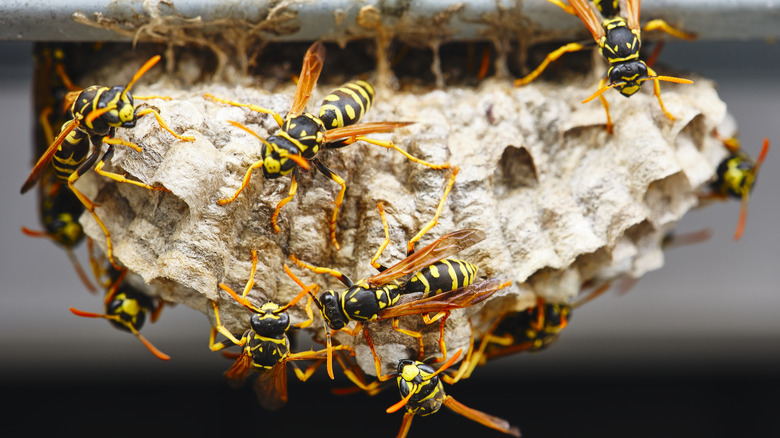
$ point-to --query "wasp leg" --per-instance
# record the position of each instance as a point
(154, 96)
(121, 178)
(224, 331)
(435, 220)
(320, 270)
(391, 145)
(552, 56)
(480, 417)
(421, 345)
(244, 183)
(90, 206)
(662, 25)
(430, 320)
(355, 374)
(605, 104)
(566, 8)
(274, 114)
(377, 361)
(381, 206)
(405, 425)
(657, 92)
(339, 199)
(162, 123)
(283, 202)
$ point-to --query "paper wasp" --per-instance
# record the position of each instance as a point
(301, 135)
(530, 330)
(736, 176)
(266, 347)
(422, 393)
(126, 306)
(618, 38)
(97, 112)
(380, 297)
(58, 207)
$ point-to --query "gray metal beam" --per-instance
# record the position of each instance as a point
(55, 20)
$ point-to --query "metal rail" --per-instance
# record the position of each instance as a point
(303, 20)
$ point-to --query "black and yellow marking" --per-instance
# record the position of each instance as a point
(443, 276)
(735, 178)
(302, 135)
(127, 308)
(617, 34)
(97, 111)
(422, 393)
(265, 345)
(347, 104)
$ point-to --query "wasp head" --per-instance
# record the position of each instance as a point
(628, 76)
(269, 323)
(331, 310)
(130, 308)
(277, 151)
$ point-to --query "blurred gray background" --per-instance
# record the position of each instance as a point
(711, 311)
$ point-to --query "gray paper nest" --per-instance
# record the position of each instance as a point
(563, 204)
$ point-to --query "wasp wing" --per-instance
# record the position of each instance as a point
(443, 247)
(361, 129)
(584, 10)
(450, 300)
(271, 387)
(310, 72)
(40, 166)
(632, 8)
(240, 369)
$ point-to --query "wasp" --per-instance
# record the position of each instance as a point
(422, 393)
(126, 307)
(618, 38)
(735, 177)
(448, 284)
(530, 330)
(266, 347)
(97, 112)
(302, 135)
(58, 207)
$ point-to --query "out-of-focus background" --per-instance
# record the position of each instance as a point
(692, 350)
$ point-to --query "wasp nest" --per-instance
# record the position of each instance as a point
(562, 202)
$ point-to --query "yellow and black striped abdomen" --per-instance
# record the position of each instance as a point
(346, 105)
(443, 276)
(71, 153)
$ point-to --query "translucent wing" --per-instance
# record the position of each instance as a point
(631, 13)
(310, 72)
(443, 247)
(271, 387)
(240, 369)
(584, 10)
(362, 129)
(451, 300)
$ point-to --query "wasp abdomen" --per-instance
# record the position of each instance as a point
(347, 104)
(443, 276)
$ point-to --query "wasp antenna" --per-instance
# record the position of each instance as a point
(669, 79)
(761, 156)
(97, 113)
(144, 68)
(400, 404)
